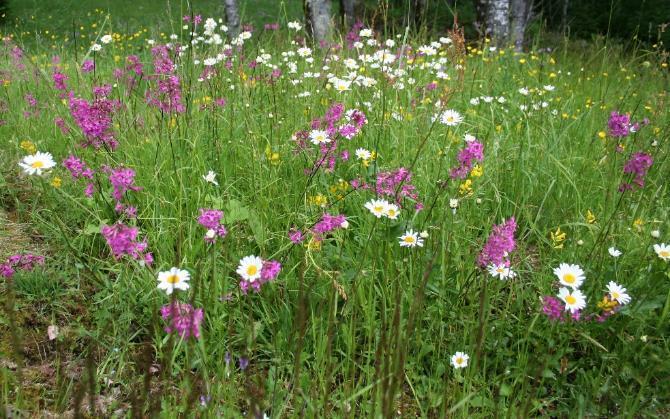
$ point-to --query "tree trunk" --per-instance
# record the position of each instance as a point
(498, 21)
(564, 17)
(481, 7)
(519, 18)
(318, 16)
(232, 17)
(348, 11)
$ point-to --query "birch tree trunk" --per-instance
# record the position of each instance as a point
(498, 20)
(232, 17)
(318, 17)
(519, 18)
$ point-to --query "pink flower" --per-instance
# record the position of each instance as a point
(183, 319)
(123, 241)
(211, 219)
(474, 150)
(499, 244)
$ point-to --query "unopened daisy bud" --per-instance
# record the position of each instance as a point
(655, 234)
(453, 204)
(580, 242)
(424, 234)
(210, 234)
(345, 224)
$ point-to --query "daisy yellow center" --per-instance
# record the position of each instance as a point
(409, 239)
(569, 278)
(570, 299)
(500, 270)
(173, 279)
(616, 295)
(37, 165)
(252, 270)
(459, 360)
(450, 119)
(391, 213)
(662, 253)
(379, 208)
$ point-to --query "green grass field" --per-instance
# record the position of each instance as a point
(371, 305)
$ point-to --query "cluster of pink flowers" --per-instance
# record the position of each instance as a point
(59, 81)
(554, 309)
(123, 241)
(183, 319)
(618, 124)
(474, 150)
(325, 225)
(78, 169)
(26, 262)
(269, 272)
(122, 180)
(167, 95)
(499, 245)
(637, 165)
(87, 66)
(394, 184)
(332, 124)
(95, 119)
(211, 219)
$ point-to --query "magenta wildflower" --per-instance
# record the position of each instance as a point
(95, 120)
(618, 124)
(25, 262)
(123, 241)
(554, 309)
(162, 62)
(122, 180)
(59, 81)
(167, 96)
(295, 236)
(88, 66)
(638, 165)
(183, 319)
(327, 224)
(474, 150)
(499, 244)
(211, 219)
(77, 168)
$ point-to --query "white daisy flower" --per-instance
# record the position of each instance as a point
(250, 268)
(35, 164)
(318, 136)
(392, 211)
(460, 360)
(614, 252)
(574, 300)
(663, 251)
(211, 178)
(570, 275)
(173, 279)
(96, 47)
(106, 39)
(451, 118)
(377, 207)
(363, 154)
(501, 271)
(410, 239)
(618, 293)
(341, 85)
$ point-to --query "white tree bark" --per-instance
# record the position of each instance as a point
(232, 17)
(318, 15)
(498, 20)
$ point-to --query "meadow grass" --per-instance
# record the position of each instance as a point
(354, 325)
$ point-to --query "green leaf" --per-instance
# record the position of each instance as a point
(235, 211)
(505, 390)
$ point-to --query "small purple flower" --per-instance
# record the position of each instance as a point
(244, 363)
(638, 165)
(211, 219)
(474, 150)
(295, 236)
